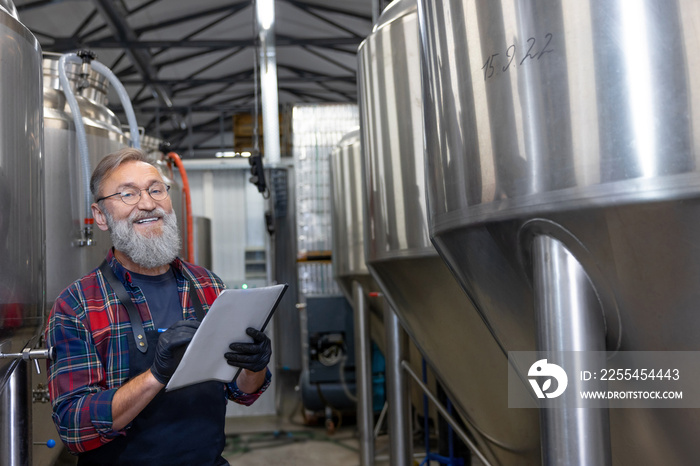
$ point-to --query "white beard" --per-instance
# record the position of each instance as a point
(147, 251)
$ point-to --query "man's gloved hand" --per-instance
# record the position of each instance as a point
(171, 346)
(252, 356)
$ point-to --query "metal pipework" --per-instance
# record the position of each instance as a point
(363, 375)
(400, 440)
(265, 17)
(32, 354)
(16, 418)
(448, 417)
(569, 318)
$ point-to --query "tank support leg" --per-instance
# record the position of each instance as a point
(569, 318)
(400, 441)
(363, 375)
(15, 418)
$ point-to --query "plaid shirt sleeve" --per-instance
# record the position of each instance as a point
(246, 399)
(81, 400)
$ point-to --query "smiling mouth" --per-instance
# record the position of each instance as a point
(147, 220)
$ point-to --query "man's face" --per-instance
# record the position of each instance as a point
(146, 231)
(142, 216)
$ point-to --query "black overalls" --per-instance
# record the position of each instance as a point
(182, 427)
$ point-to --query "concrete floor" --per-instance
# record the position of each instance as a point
(288, 441)
(297, 448)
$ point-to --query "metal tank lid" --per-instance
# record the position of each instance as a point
(349, 137)
(396, 9)
(98, 83)
(10, 19)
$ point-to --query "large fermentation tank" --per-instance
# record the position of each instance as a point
(347, 228)
(66, 259)
(576, 121)
(22, 272)
(428, 300)
(348, 249)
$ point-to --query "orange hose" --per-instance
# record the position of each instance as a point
(188, 204)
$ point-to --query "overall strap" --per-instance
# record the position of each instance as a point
(123, 295)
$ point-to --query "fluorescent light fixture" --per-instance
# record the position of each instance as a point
(227, 154)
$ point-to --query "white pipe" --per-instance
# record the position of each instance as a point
(124, 98)
(81, 137)
(265, 15)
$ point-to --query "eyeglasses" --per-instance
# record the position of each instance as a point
(131, 195)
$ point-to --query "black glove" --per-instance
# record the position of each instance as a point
(171, 347)
(252, 356)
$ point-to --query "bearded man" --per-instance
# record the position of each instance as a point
(120, 332)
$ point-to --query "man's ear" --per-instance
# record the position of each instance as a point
(99, 217)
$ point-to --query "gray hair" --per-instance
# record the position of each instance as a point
(110, 163)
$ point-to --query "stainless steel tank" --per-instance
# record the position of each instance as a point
(572, 121)
(201, 230)
(149, 144)
(431, 306)
(66, 259)
(349, 267)
(22, 273)
(347, 243)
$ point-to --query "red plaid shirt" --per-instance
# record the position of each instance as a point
(89, 329)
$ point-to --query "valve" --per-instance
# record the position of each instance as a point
(164, 147)
(87, 56)
(86, 238)
(50, 443)
(32, 354)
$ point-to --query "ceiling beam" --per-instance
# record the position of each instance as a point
(189, 84)
(37, 4)
(111, 43)
(115, 13)
(328, 9)
(234, 8)
(330, 60)
(309, 11)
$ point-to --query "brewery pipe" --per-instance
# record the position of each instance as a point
(569, 318)
(85, 60)
(363, 375)
(448, 417)
(188, 204)
(400, 435)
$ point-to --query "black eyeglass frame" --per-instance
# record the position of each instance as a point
(167, 193)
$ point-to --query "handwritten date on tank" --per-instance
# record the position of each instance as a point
(513, 56)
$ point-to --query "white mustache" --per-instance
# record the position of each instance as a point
(141, 215)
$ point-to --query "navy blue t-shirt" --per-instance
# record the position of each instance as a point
(162, 297)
